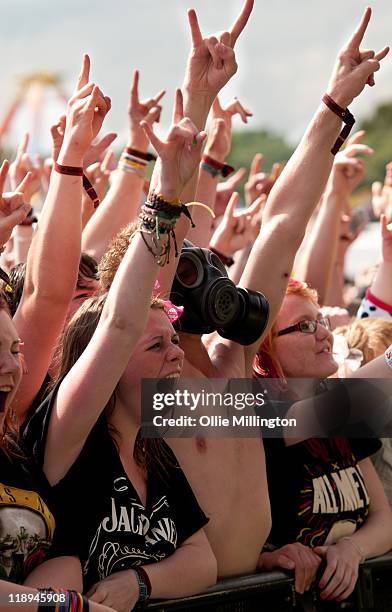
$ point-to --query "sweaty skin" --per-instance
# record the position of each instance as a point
(228, 477)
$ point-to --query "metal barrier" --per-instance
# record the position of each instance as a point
(274, 592)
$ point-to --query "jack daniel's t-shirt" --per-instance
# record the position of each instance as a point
(317, 490)
(99, 515)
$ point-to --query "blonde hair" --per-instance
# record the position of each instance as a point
(110, 262)
(371, 336)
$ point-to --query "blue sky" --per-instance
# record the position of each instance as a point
(285, 55)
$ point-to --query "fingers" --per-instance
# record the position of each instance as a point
(213, 47)
(178, 112)
(356, 149)
(276, 171)
(236, 108)
(217, 108)
(231, 206)
(21, 188)
(135, 88)
(241, 21)
(257, 205)
(358, 34)
(159, 96)
(3, 175)
(381, 54)
(256, 165)
(236, 178)
(15, 217)
(196, 35)
(24, 143)
(355, 138)
(154, 140)
(107, 161)
(84, 75)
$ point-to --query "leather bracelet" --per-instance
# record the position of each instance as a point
(70, 170)
(224, 169)
(78, 171)
(146, 156)
(343, 114)
(227, 261)
(89, 189)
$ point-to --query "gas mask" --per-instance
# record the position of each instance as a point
(212, 302)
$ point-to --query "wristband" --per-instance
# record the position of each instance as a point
(78, 171)
(144, 583)
(148, 157)
(89, 189)
(345, 115)
(227, 261)
(388, 356)
(70, 170)
(223, 169)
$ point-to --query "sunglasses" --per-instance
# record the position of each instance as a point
(306, 327)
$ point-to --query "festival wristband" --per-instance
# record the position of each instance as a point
(78, 171)
(220, 168)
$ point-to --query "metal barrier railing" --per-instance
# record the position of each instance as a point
(274, 592)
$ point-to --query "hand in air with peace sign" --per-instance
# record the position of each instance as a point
(355, 66)
(212, 61)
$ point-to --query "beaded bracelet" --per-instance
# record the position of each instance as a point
(388, 356)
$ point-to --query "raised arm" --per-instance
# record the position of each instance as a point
(92, 380)
(122, 202)
(211, 64)
(303, 180)
(321, 249)
(213, 167)
(54, 254)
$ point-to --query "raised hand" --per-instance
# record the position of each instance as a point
(258, 182)
(348, 170)
(179, 154)
(382, 193)
(219, 140)
(86, 111)
(99, 174)
(237, 229)
(23, 164)
(225, 190)
(212, 60)
(13, 207)
(148, 110)
(354, 67)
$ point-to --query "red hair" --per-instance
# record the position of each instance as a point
(266, 364)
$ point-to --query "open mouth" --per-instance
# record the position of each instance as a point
(4, 392)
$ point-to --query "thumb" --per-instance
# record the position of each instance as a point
(16, 217)
(321, 551)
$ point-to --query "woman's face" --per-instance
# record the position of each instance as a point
(303, 355)
(10, 363)
(156, 355)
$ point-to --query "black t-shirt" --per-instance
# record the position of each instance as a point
(316, 488)
(26, 523)
(99, 515)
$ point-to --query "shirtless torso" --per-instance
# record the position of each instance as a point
(228, 476)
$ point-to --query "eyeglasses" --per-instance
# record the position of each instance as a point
(306, 327)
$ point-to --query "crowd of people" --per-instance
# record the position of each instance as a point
(122, 280)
